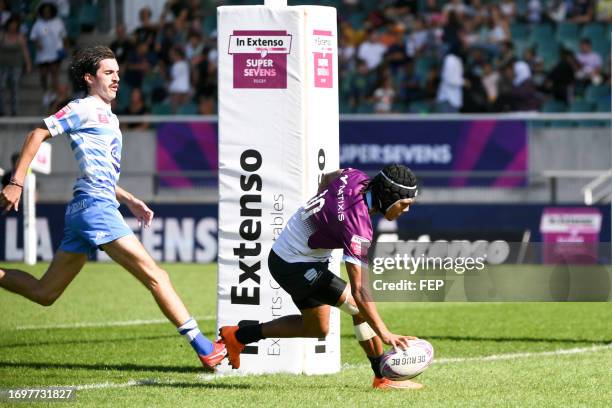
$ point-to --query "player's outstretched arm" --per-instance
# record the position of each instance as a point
(368, 309)
(140, 210)
(11, 194)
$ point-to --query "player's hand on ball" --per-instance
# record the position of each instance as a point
(397, 341)
(143, 213)
(9, 198)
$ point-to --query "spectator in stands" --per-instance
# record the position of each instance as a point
(498, 29)
(122, 44)
(603, 11)
(49, 35)
(534, 11)
(536, 64)
(139, 62)
(372, 50)
(432, 82)
(490, 83)
(560, 81)
(384, 95)
(508, 9)
(194, 46)
(450, 91)
(395, 57)
(137, 106)
(589, 63)
(5, 12)
(360, 86)
(456, 7)
(506, 53)
(581, 11)
(452, 30)
(6, 178)
(180, 83)
(147, 31)
(206, 105)
(165, 41)
(522, 96)
(410, 84)
(14, 57)
(417, 39)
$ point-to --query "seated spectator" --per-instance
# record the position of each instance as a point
(179, 87)
(589, 63)
(372, 50)
(457, 7)
(5, 12)
(410, 84)
(581, 11)
(417, 39)
(138, 107)
(194, 46)
(206, 105)
(603, 11)
(560, 81)
(452, 30)
(508, 9)
(360, 85)
(139, 62)
(395, 56)
(534, 11)
(384, 96)
(490, 82)
(498, 27)
(522, 95)
(122, 44)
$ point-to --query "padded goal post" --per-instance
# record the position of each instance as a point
(278, 133)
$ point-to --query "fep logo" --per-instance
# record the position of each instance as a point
(260, 58)
(323, 56)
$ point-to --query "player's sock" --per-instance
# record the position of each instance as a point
(190, 331)
(375, 363)
(250, 333)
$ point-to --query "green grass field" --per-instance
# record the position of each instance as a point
(544, 354)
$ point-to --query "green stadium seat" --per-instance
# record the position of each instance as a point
(519, 31)
(595, 93)
(567, 30)
(365, 107)
(593, 31)
(541, 34)
(189, 108)
(161, 109)
(123, 97)
(209, 25)
(419, 107)
(604, 106)
(554, 106)
(88, 16)
(581, 106)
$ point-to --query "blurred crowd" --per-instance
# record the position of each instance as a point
(394, 56)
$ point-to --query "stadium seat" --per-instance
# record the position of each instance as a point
(549, 52)
(604, 106)
(581, 106)
(419, 107)
(541, 34)
(161, 109)
(593, 31)
(554, 106)
(365, 107)
(519, 31)
(88, 16)
(189, 108)
(123, 97)
(595, 93)
(567, 34)
(209, 25)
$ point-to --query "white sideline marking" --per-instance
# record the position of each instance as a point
(102, 324)
(494, 357)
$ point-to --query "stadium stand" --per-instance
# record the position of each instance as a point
(403, 40)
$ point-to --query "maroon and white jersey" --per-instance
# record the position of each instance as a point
(337, 217)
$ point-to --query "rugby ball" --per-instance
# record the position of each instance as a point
(405, 364)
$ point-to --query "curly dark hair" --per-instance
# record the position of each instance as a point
(394, 182)
(87, 61)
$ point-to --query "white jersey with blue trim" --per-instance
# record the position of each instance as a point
(96, 142)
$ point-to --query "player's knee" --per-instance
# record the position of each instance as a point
(318, 330)
(157, 278)
(46, 297)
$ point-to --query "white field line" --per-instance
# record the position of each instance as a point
(102, 324)
(494, 357)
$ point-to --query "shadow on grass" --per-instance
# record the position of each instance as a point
(104, 367)
(208, 385)
(509, 339)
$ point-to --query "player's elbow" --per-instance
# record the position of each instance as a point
(46, 298)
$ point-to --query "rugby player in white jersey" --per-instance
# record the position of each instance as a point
(92, 218)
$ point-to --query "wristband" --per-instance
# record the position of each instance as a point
(14, 182)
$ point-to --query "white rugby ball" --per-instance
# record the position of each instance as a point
(405, 364)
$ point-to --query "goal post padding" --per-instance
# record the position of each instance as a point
(278, 133)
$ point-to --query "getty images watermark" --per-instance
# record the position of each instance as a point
(457, 271)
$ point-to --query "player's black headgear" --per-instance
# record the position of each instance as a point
(394, 182)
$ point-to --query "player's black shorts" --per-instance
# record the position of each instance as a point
(310, 284)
